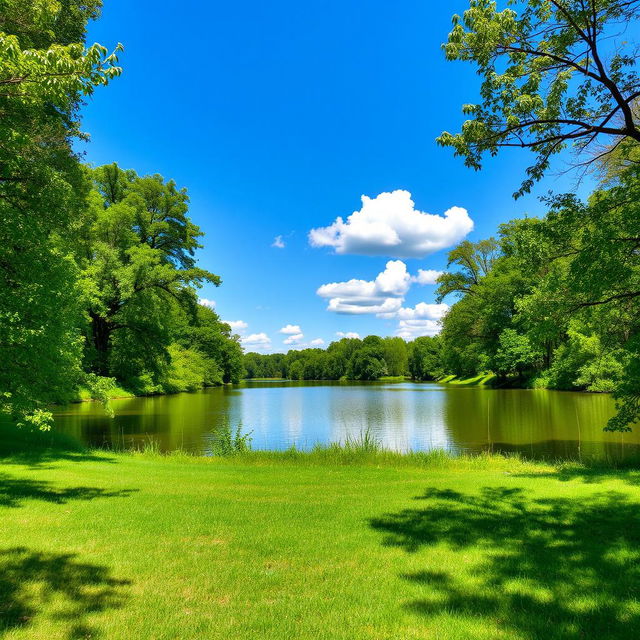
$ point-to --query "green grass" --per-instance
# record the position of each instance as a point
(394, 379)
(84, 394)
(484, 379)
(341, 543)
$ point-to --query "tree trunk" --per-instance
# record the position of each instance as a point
(101, 336)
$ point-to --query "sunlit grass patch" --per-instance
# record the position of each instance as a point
(342, 542)
(476, 381)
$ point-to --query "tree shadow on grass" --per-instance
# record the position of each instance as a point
(38, 449)
(14, 491)
(590, 473)
(549, 567)
(56, 585)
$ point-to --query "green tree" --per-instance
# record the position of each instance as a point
(425, 358)
(394, 353)
(515, 354)
(214, 340)
(45, 71)
(138, 272)
(366, 364)
(473, 261)
(551, 78)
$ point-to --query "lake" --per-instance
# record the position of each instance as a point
(401, 416)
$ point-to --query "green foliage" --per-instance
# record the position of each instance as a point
(138, 278)
(45, 71)
(366, 364)
(187, 370)
(257, 365)
(111, 252)
(473, 261)
(227, 442)
(425, 358)
(583, 362)
(138, 271)
(395, 356)
(213, 339)
(101, 389)
(550, 78)
(560, 302)
(515, 354)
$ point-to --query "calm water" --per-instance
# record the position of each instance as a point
(402, 416)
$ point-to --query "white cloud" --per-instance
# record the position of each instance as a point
(361, 306)
(427, 276)
(382, 295)
(207, 303)
(237, 325)
(348, 334)
(290, 329)
(422, 320)
(423, 311)
(256, 341)
(411, 329)
(317, 342)
(278, 243)
(390, 225)
(293, 339)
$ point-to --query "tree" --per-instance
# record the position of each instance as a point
(474, 261)
(214, 340)
(45, 71)
(592, 281)
(551, 78)
(138, 271)
(425, 358)
(515, 355)
(366, 364)
(394, 353)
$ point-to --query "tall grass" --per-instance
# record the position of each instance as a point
(364, 442)
(226, 441)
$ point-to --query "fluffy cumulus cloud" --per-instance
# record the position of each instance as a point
(317, 342)
(382, 295)
(424, 310)
(259, 341)
(237, 325)
(294, 338)
(390, 225)
(426, 276)
(207, 303)
(421, 320)
(278, 243)
(348, 334)
(290, 329)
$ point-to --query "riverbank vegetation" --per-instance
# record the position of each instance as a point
(319, 545)
(97, 267)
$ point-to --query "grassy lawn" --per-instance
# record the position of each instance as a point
(326, 545)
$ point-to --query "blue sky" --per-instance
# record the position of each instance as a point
(278, 117)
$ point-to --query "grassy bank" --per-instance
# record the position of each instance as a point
(484, 379)
(85, 395)
(336, 544)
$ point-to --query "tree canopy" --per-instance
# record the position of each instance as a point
(555, 73)
(45, 71)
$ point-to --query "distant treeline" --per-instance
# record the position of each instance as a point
(352, 359)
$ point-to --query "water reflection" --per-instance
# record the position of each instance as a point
(401, 416)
